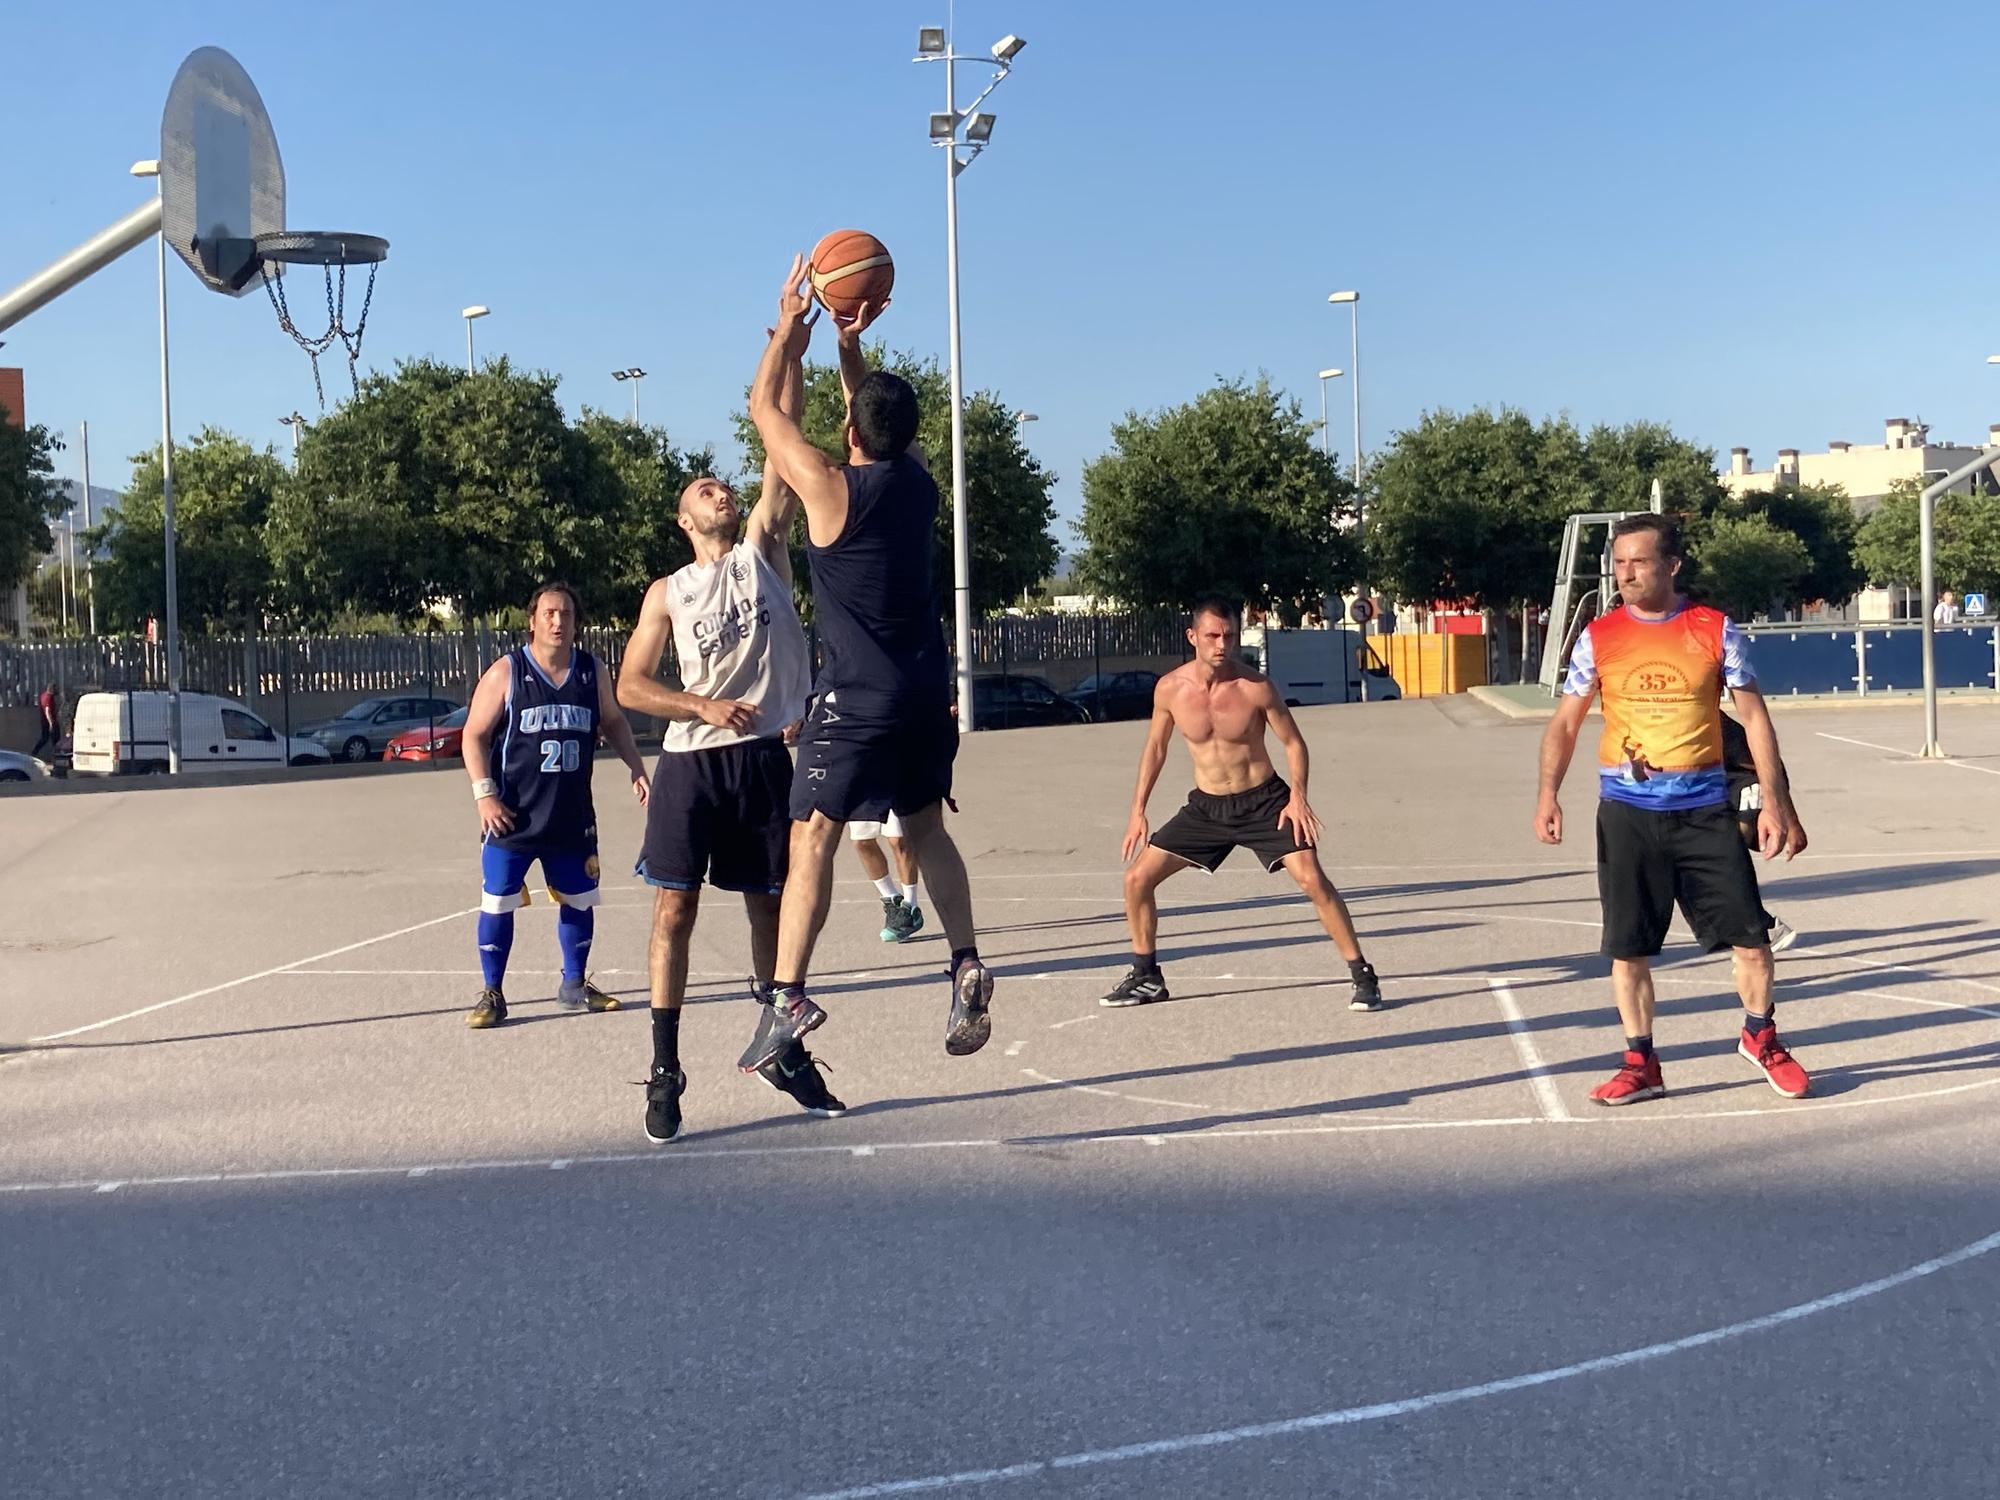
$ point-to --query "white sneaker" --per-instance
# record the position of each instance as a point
(1783, 935)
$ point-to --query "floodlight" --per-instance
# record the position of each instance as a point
(943, 126)
(979, 128)
(145, 169)
(1006, 47)
(478, 311)
(1345, 297)
(1993, 359)
(930, 40)
(1027, 416)
(1331, 374)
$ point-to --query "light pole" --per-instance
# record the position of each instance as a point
(635, 375)
(298, 425)
(89, 577)
(477, 310)
(1026, 416)
(152, 169)
(1325, 438)
(934, 45)
(1353, 301)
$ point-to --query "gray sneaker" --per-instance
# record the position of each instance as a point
(971, 997)
(583, 995)
(904, 924)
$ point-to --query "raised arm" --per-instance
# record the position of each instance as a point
(640, 690)
(489, 705)
(769, 528)
(815, 478)
(1151, 758)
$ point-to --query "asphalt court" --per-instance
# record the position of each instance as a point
(1244, 1241)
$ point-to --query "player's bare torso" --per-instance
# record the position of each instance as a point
(1223, 723)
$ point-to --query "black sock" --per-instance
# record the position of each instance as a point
(667, 1039)
(1145, 963)
(1643, 1045)
(1359, 966)
(960, 955)
(1758, 1025)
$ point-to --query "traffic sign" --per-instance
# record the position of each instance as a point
(1361, 611)
(1975, 605)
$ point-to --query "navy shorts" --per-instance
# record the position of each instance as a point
(720, 814)
(865, 763)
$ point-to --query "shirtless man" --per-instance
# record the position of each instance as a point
(1222, 709)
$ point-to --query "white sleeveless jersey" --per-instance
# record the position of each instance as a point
(737, 635)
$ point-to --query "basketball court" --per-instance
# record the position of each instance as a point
(278, 1222)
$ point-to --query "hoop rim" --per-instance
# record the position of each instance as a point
(321, 247)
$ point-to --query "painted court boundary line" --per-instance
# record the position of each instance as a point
(1546, 1092)
(1416, 1405)
(1907, 754)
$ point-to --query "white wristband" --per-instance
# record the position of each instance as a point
(485, 787)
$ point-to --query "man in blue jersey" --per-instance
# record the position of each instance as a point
(880, 738)
(530, 743)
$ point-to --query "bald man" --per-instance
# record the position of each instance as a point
(720, 809)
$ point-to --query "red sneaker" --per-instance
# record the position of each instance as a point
(1769, 1054)
(1638, 1079)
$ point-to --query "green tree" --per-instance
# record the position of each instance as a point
(1745, 565)
(1007, 491)
(223, 493)
(1966, 539)
(1621, 463)
(641, 475)
(1227, 493)
(1471, 506)
(432, 483)
(1822, 518)
(30, 499)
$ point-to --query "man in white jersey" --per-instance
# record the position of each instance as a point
(720, 806)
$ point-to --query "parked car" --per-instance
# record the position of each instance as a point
(1015, 702)
(364, 731)
(122, 733)
(17, 767)
(445, 741)
(1115, 695)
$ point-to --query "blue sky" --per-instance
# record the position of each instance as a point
(1766, 224)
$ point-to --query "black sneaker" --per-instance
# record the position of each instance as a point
(1138, 987)
(490, 1011)
(1367, 990)
(892, 919)
(779, 1024)
(663, 1104)
(796, 1071)
(971, 994)
(583, 995)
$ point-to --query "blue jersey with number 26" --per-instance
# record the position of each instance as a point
(546, 748)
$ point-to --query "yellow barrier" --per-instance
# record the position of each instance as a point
(1427, 665)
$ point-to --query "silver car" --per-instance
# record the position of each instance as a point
(16, 767)
(364, 731)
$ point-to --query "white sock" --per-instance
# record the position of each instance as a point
(910, 893)
(886, 886)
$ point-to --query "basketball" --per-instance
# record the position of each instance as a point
(850, 267)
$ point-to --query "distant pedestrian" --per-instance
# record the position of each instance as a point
(49, 731)
(1947, 611)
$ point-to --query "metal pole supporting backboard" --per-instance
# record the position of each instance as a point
(167, 525)
(1927, 561)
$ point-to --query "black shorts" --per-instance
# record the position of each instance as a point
(865, 763)
(1204, 831)
(1647, 861)
(720, 813)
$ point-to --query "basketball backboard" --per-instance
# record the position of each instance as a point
(222, 182)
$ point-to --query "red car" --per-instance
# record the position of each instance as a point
(442, 741)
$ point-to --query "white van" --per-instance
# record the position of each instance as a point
(1327, 666)
(122, 733)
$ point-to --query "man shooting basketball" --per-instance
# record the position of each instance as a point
(880, 738)
(1222, 710)
(548, 701)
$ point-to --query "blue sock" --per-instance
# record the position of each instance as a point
(574, 925)
(496, 941)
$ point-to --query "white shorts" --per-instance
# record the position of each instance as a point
(889, 827)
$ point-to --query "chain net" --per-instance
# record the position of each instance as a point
(336, 318)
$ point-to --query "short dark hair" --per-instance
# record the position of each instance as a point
(884, 414)
(1664, 529)
(555, 586)
(1219, 605)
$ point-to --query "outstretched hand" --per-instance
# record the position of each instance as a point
(850, 328)
(796, 313)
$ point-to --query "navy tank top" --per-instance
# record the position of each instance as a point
(546, 750)
(875, 600)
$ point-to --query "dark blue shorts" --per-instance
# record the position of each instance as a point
(859, 763)
(720, 815)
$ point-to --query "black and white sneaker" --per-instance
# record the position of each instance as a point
(971, 996)
(1138, 987)
(490, 1011)
(796, 1071)
(1367, 990)
(781, 1023)
(663, 1104)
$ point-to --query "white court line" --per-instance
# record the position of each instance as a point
(230, 984)
(1908, 754)
(1416, 1405)
(1545, 1088)
(1082, 1088)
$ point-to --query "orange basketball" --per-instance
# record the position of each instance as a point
(850, 267)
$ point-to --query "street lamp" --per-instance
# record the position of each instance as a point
(151, 168)
(1993, 359)
(298, 425)
(1353, 301)
(477, 310)
(1026, 416)
(635, 375)
(934, 45)
(1325, 442)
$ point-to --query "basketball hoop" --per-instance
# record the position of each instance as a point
(334, 253)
